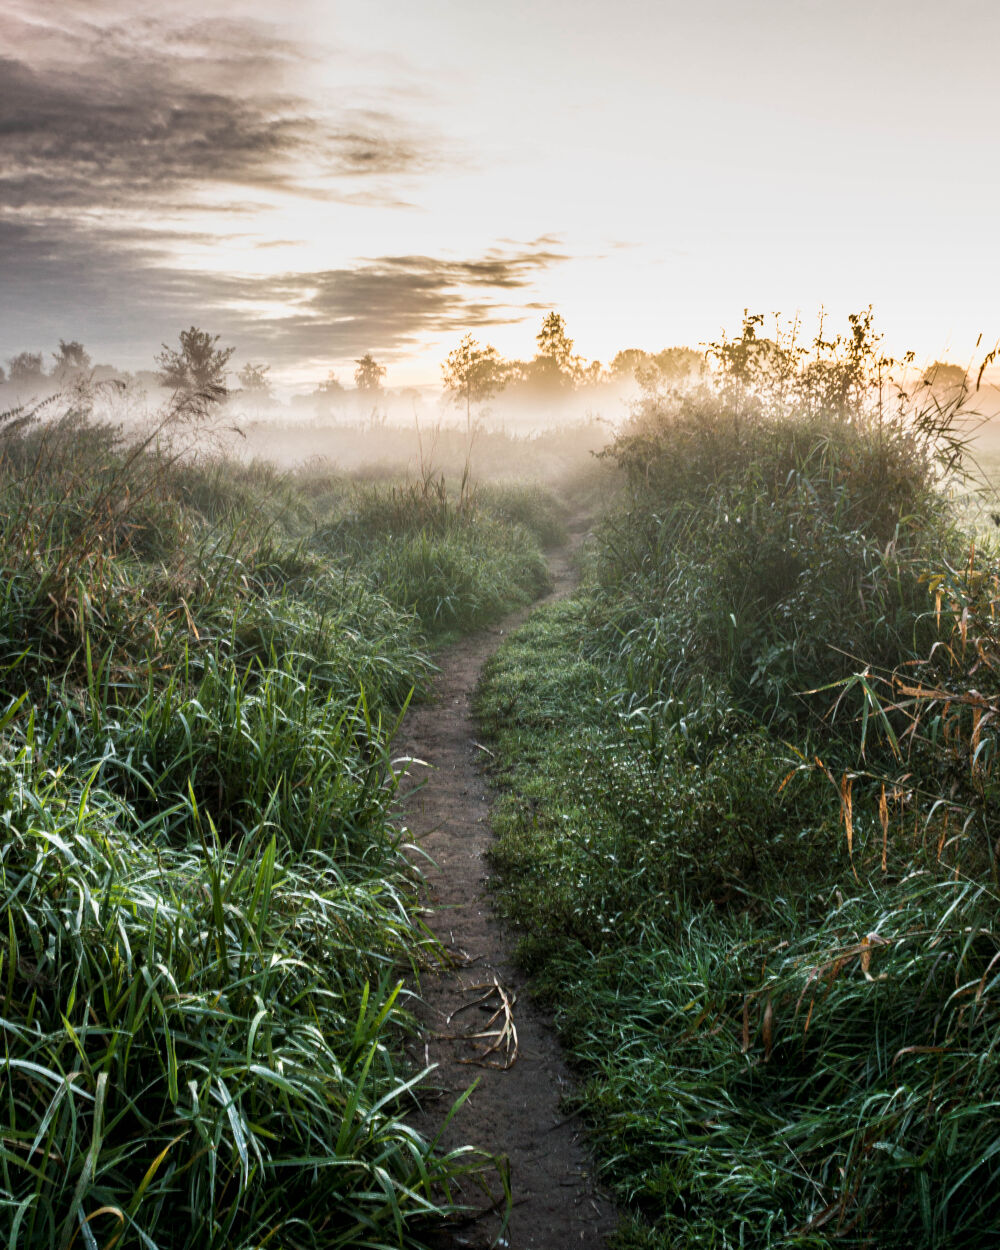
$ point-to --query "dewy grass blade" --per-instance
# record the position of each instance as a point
(74, 1216)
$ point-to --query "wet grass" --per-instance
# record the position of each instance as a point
(748, 830)
(207, 912)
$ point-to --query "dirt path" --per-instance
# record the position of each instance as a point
(513, 1112)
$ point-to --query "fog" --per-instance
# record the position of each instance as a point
(526, 419)
(388, 433)
(490, 416)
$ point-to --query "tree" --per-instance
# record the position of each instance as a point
(554, 344)
(473, 374)
(590, 374)
(69, 360)
(676, 364)
(331, 385)
(369, 373)
(653, 369)
(554, 368)
(945, 376)
(26, 368)
(329, 394)
(255, 385)
(625, 363)
(198, 368)
(254, 378)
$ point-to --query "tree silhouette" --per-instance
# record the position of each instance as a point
(254, 378)
(329, 394)
(369, 373)
(473, 374)
(26, 367)
(331, 385)
(945, 376)
(554, 344)
(70, 359)
(554, 367)
(626, 362)
(198, 368)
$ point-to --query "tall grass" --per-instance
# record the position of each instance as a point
(206, 911)
(750, 834)
(456, 561)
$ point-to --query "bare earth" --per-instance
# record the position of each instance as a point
(513, 1112)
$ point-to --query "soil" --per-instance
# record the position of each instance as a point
(515, 1110)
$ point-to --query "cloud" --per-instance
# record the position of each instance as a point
(387, 303)
(109, 116)
(118, 288)
(115, 136)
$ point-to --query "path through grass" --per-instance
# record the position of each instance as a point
(206, 913)
(749, 835)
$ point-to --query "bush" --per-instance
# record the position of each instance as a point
(777, 541)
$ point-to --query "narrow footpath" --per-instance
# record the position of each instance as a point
(479, 1022)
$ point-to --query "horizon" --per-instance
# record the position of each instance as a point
(343, 180)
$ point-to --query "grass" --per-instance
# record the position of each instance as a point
(748, 833)
(207, 914)
(455, 563)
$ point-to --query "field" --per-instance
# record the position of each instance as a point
(499, 626)
(207, 914)
(749, 833)
(746, 828)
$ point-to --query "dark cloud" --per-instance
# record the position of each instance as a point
(112, 116)
(118, 289)
(82, 140)
(108, 130)
(388, 302)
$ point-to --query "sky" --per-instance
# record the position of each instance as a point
(319, 178)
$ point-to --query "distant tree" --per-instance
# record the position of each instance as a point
(26, 368)
(254, 378)
(473, 374)
(590, 374)
(555, 344)
(199, 367)
(255, 386)
(70, 360)
(625, 363)
(3, 376)
(945, 376)
(653, 369)
(329, 394)
(555, 367)
(369, 373)
(674, 364)
(330, 385)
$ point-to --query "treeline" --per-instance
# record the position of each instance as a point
(471, 373)
(556, 379)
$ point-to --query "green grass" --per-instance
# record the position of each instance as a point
(207, 917)
(456, 562)
(748, 833)
(671, 895)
